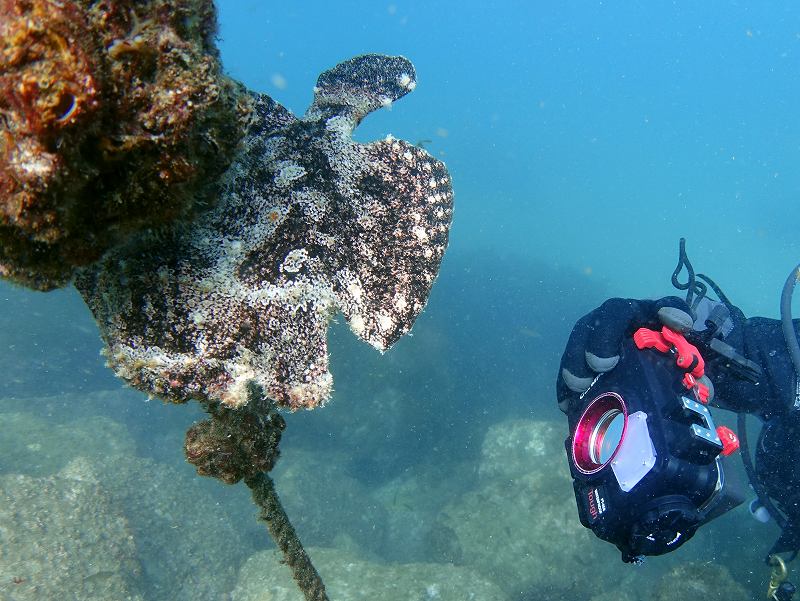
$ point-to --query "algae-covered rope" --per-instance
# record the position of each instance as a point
(282, 532)
(242, 444)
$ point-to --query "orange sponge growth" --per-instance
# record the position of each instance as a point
(114, 117)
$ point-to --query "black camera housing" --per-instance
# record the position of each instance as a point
(666, 476)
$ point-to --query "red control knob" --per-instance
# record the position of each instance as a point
(730, 442)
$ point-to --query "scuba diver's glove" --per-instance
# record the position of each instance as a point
(594, 345)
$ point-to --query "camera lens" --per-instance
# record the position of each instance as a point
(599, 433)
(606, 436)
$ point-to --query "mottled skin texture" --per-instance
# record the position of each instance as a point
(309, 223)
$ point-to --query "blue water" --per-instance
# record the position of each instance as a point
(583, 139)
(586, 135)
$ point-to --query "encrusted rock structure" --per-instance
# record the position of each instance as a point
(115, 117)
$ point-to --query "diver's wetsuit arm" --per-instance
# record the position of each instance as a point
(761, 341)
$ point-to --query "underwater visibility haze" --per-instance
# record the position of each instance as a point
(581, 141)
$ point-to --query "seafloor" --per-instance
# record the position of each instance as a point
(437, 472)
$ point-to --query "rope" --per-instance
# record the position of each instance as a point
(282, 532)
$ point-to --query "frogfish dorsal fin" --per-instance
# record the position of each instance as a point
(361, 85)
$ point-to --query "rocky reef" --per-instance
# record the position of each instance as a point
(502, 525)
(85, 516)
(351, 578)
(699, 581)
(518, 503)
(114, 117)
(63, 537)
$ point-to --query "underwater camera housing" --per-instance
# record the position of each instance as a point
(648, 464)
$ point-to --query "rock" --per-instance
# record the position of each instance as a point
(36, 446)
(326, 505)
(520, 525)
(348, 578)
(617, 593)
(187, 542)
(707, 581)
(62, 538)
(412, 502)
(179, 528)
(518, 447)
(116, 118)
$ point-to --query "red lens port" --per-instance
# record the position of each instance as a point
(599, 433)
